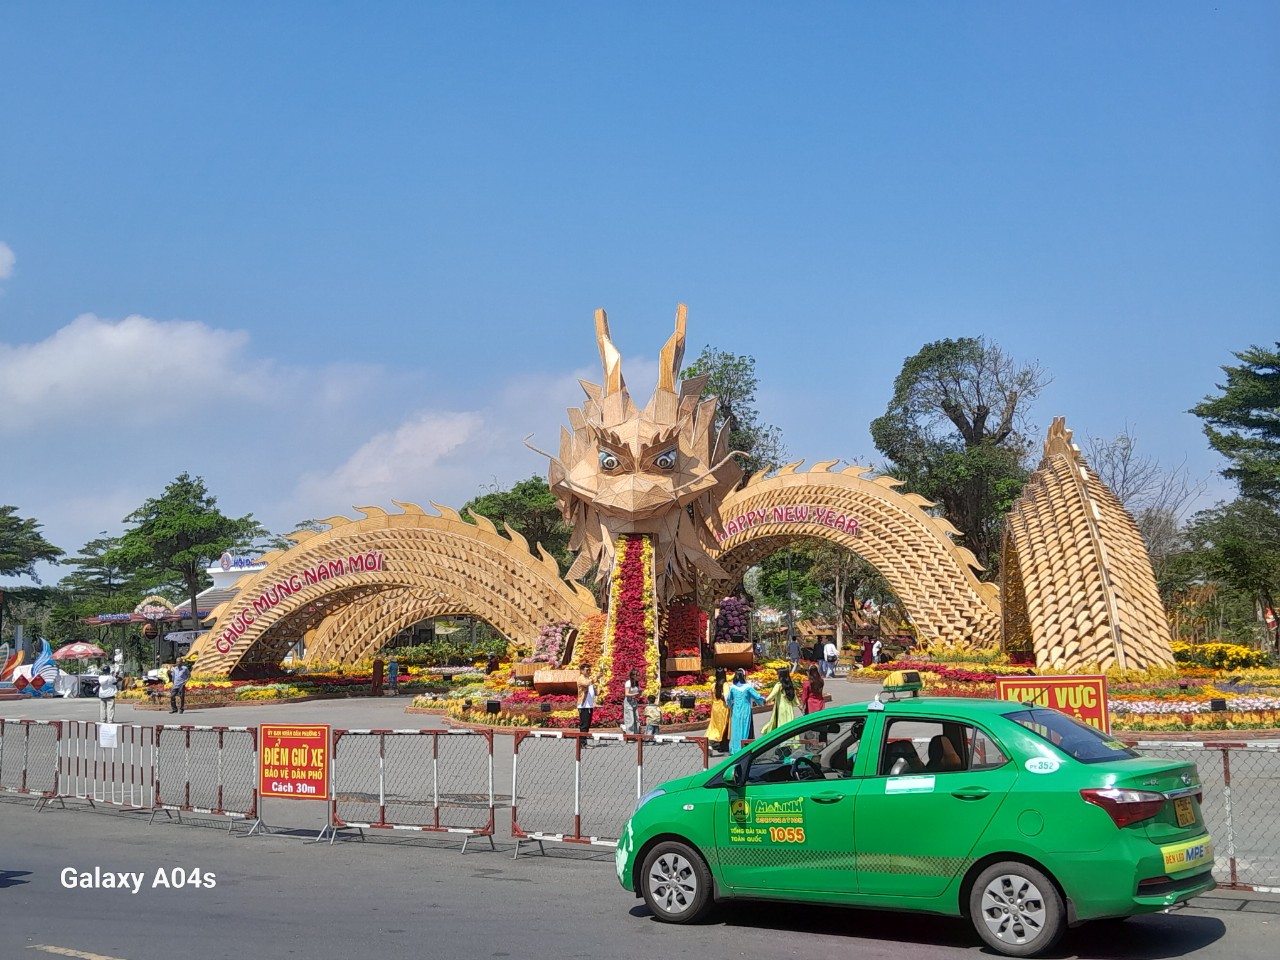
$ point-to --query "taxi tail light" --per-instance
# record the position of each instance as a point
(1125, 806)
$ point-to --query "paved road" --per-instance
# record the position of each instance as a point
(277, 896)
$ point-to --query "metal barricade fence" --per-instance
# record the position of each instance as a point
(580, 788)
(1240, 806)
(207, 770)
(428, 780)
(94, 770)
(29, 757)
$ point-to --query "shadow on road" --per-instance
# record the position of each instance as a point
(1150, 937)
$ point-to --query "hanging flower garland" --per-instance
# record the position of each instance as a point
(630, 642)
(589, 646)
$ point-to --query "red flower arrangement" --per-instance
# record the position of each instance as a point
(686, 626)
(631, 624)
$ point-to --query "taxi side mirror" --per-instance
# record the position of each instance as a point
(736, 775)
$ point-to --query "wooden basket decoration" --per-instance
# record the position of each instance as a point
(556, 681)
(734, 655)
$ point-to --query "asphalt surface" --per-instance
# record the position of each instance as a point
(400, 895)
(280, 896)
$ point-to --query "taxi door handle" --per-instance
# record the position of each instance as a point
(828, 797)
(970, 793)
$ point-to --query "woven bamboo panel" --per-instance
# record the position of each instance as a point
(426, 566)
(525, 671)
(1078, 580)
(933, 576)
(683, 664)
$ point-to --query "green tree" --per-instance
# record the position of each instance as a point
(825, 579)
(95, 585)
(732, 379)
(1238, 544)
(178, 534)
(951, 433)
(97, 574)
(530, 509)
(1243, 423)
(22, 546)
(784, 581)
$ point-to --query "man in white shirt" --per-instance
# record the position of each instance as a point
(829, 656)
(106, 696)
(876, 647)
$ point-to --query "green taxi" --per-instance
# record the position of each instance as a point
(1013, 815)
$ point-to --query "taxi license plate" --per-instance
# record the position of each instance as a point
(1185, 813)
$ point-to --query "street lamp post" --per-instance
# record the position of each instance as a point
(791, 620)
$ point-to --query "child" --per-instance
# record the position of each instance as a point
(652, 717)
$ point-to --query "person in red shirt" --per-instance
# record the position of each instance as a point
(812, 699)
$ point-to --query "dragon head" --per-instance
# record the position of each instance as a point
(660, 471)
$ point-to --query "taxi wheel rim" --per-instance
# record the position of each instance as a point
(1013, 909)
(673, 883)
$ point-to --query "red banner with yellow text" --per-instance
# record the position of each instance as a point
(1082, 698)
(293, 761)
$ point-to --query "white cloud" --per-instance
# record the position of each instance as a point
(103, 413)
(7, 260)
(147, 374)
(384, 467)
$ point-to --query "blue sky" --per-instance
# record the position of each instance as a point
(327, 256)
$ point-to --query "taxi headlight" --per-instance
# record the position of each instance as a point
(656, 792)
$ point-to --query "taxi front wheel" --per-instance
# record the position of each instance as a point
(675, 883)
(1016, 909)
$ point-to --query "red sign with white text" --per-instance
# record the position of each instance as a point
(1081, 698)
(293, 761)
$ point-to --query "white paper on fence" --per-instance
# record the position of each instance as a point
(108, 735)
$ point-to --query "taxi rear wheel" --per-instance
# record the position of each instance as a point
(1016, 909)
(675, 883)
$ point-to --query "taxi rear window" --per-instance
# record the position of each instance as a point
(1080, 741)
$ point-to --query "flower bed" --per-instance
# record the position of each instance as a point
(1160, 699)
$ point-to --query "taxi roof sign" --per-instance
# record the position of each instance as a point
(903, 681)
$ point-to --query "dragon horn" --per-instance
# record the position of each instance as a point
(609, 355)
(672, 353)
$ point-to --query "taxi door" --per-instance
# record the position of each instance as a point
(936, 787)
(788, 827)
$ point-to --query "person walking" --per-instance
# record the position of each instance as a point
(107, 688)
(586, 697)
(793, 653)
(812, 698)
(178, 678)
(631, 703)
(784, 700)
(830, 654)
(393, 677)
(718, 727)
(741, 698)
(877, 651)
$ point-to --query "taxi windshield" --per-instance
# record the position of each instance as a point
(1075, 739)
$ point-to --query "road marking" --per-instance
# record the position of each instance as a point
(68, 952)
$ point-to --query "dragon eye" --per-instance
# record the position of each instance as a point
(666, 460)
(609, 460)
